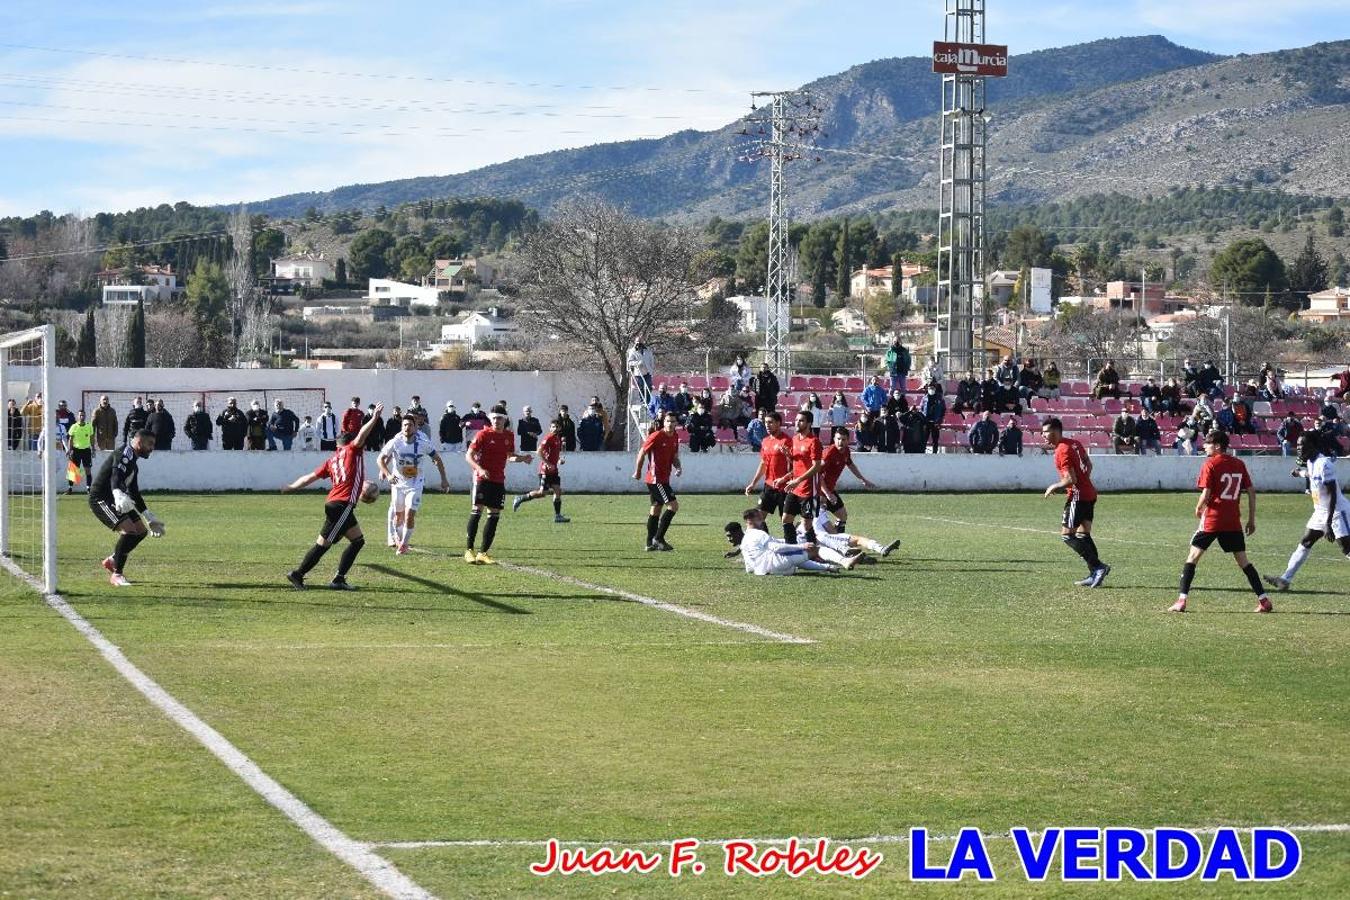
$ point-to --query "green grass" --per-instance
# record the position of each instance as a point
(963, 681)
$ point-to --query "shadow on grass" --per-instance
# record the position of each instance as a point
(441, 587)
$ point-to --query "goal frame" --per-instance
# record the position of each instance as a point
(46, 580)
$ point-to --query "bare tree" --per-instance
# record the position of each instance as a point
(170, 340)
(1253, 337)
(1082, 335)
(597, 278)
(110, 326)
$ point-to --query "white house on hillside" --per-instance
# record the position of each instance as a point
(156, 283)
(386, 292)
(1330, 305)
(308, 269)
(755, 313)
(474, 327)
(849, 321)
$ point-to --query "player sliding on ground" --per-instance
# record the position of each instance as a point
(763, 555)
(115, 499)
(661, 452)
(1075, 478)
(491, 450)
(839, 546)
(550, 479)
(347, 470)
(1330, 517)
(400, 463)
(1222, 482)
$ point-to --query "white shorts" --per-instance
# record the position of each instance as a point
(836, 542)
(406, 495)
(1340, 523)
(785, 564)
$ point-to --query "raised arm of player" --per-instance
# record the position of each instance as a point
(754, 481)
(364, 434)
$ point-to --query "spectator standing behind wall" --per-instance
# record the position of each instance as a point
(136, 418)
(419, 411)
(765, 388)
(1010, 442)
(569, 429)
(451, 430)
(352, 417)
(233, 426)
(105, 425)
(257, 426)
(528, 430)
(591, 430)
(198, 427)
(983, 436)
(282, 426)
(306, 435)
(161, 424)
(874, 395)
(327, 428)
(14, 424)
(32, 420)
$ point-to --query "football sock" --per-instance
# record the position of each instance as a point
(1296, 561)
(663, 524)
(312, 557)
(1075, 543)
(1254, 579)
(790, 533)
(525, 498)
(392, 527)
(473, 527)
(557, 506)
(349, 557)
(407, 534)
(874, 546)
(812, 566)
(125, 544)
(652, 522)
(1187, 576)
(489, 531)
(1094, 562)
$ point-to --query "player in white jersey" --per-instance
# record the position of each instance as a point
(835, 546)
(763, 555)
(1330, 518)
(401, 465)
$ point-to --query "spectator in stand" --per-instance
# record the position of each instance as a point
(1006, 374)
(326, 429)
(475, 420)
(967, 394)
(1107, 382)
(256, 418)
(306, 436)
(896, 403)
(867, 432)
(1272, 385)
(1329, 410)
(1190, 375)
(1187, 434)
(32, 420)
(376, 441)
(816, 408)
(420, 412)
(1208, 381)
(932, 373)
(989, 390)
(740, 375)
(353, 418)
(756, 430)
(913, 431)
(528, 431)
(660, 403)
(1150, 395)
(161, 423)
(1244, 421)
(1169, 401)
(888, 431)
(1224, 420)
(700, 426)
(393, 427)
(591, 428)
(897, 364)
(731, 411)
(684, 402)
(1147, 435)
(1010, 442)
(1202, 416)
(1028, 382)
(136, 418)
(1050, 382)
(569, 428)
(765, 388)
(1290, 430)
(451, 431)
(983, 435)
(105, 425)
(233, 425)
(934, 408)
(1330, 431)
(282, 426)
(1343, 383)
(14, 424)
(838, 412)
(706, 395)
(1124, 434)
(641, 365)
(874, 396)
(604, 413)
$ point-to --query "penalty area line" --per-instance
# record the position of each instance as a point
(377, 870)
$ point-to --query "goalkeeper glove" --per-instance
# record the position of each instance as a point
(155, 525)
(123, 503)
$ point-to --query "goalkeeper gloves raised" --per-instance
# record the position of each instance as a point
(122, 502)
(154, 524)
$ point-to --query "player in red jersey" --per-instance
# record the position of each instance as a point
(550, 479)
(661, 452)
(1075, 477)
(347, 471)
(836, 458)
(488, 453)
(1222, 481)
(802, 486)
(775, 465)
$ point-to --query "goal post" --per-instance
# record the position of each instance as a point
(30, 457)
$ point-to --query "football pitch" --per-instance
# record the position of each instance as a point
(455, 717)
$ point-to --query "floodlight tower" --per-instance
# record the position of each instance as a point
(964, 60)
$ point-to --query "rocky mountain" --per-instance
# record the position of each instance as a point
(1136, 115)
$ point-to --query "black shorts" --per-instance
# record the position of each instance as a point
(489, 493)
(82, 457)
(105, 513)
(1229, 541)
(794, 505)
(549, 481)
(1076, 512)
(339, 517)
(660, 493)
(771, 500)
(831, 501)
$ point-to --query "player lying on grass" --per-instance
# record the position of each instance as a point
(400, 462)
(837, 546)
(763, 555)
(1222, 482)
(1330, 517)
(115, 499)
(346, 469)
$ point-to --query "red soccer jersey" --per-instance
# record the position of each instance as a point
(550, 451)
(660, 449)
(1071, 457)
(776, 452)
(1226, 477)
(346, 469)
(833, 462)
(492, 447)
(806, 452)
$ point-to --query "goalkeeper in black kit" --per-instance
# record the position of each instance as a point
(116, 501)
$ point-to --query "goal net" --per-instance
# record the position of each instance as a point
(32, 456)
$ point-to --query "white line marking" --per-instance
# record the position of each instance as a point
(661, 605)
(378, 871)
(870, 839)
(256, 647)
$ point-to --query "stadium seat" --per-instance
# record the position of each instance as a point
(1112, 406)
(719, 382)
(697, 382)
(799, 383)
(854, 385)
(819, 383)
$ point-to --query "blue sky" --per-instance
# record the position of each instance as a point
(133, 104)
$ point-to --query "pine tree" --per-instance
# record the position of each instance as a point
(844, 264)
(819, 289)
(135, 348)
(1309, 273)
(86, 353)
(897, 274)
(340, 272)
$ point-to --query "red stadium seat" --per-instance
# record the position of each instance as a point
(799, 383)
(854, 385)
(697, 382)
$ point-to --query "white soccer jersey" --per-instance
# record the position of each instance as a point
(1321, 472)
(763, 555)
(407, 457)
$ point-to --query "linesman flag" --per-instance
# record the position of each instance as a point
(73, 473)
